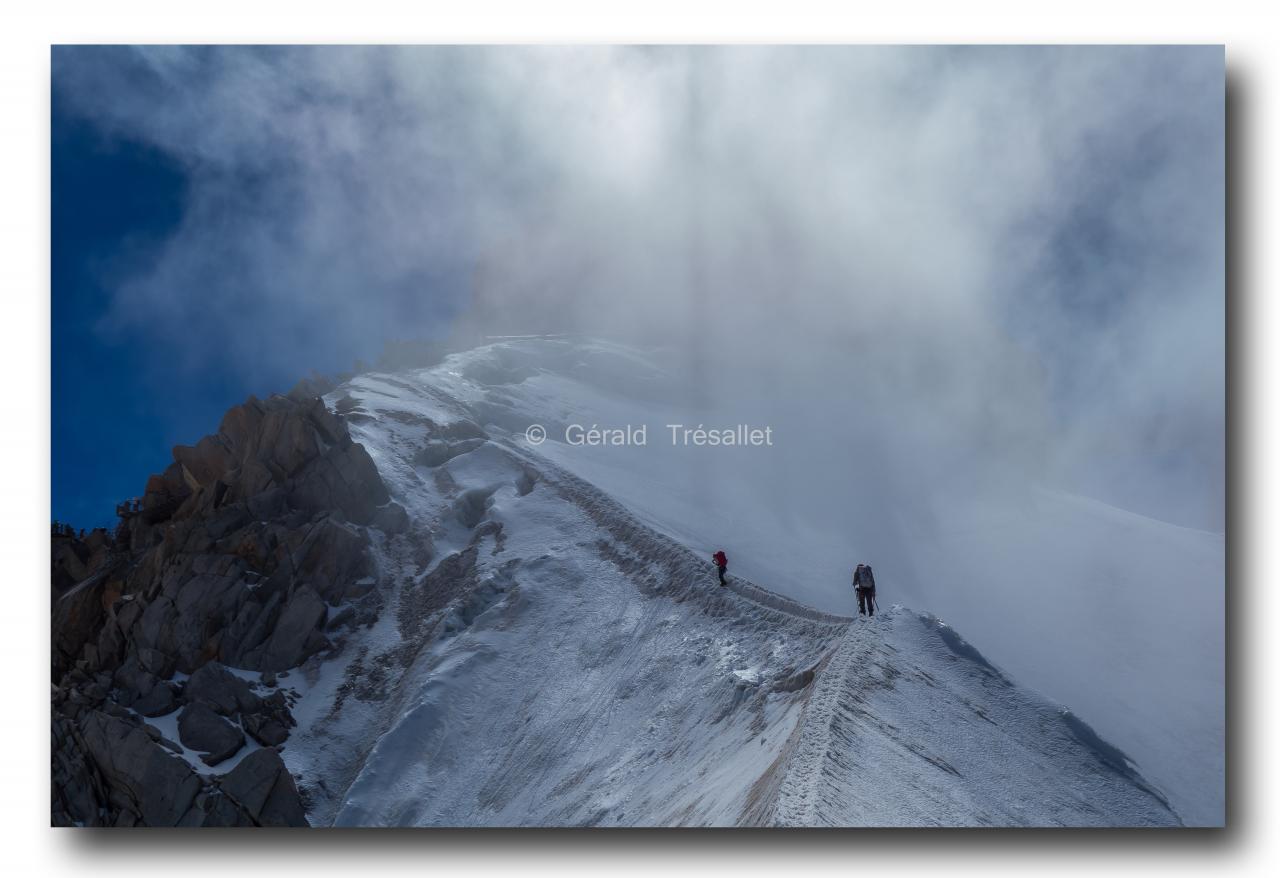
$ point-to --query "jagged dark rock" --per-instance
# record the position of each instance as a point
(142, 778)
(232, 556)
(266, 729)
(158, 702)
(264, 789)
(212, 684)
(201, 728)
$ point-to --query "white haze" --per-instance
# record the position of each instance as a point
(948, 278)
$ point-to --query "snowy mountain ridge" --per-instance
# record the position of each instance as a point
(549, 656)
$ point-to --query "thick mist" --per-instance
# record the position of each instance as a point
(954, 280)
(1000, 256)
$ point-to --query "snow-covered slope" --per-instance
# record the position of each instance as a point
(1118, 615)
(551, 656)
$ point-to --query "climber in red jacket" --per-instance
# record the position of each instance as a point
(722, 561)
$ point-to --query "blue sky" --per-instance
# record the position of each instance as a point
(117, 410)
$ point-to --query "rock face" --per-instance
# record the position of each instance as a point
(76, 558)
(233, 557)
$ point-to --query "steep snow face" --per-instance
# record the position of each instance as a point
(1117, 615)
(550, 657)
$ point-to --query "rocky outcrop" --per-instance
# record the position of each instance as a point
(123, 773)
(235, 556)
(266, 719)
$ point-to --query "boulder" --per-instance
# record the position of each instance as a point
(212, 684)
(159, 701)
(265, 729)
(264, 789)
(201, 728)
(158, 786)
(132, 679)
(270, 720)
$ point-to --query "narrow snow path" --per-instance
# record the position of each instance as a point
(808, 796)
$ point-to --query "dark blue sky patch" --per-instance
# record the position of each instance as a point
(118, 404)
(112, 201)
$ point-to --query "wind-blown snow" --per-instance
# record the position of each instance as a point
(564, 658)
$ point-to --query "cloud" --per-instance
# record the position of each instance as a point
(1001, 255)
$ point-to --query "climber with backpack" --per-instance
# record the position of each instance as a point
(722, 562)
(864, 586)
